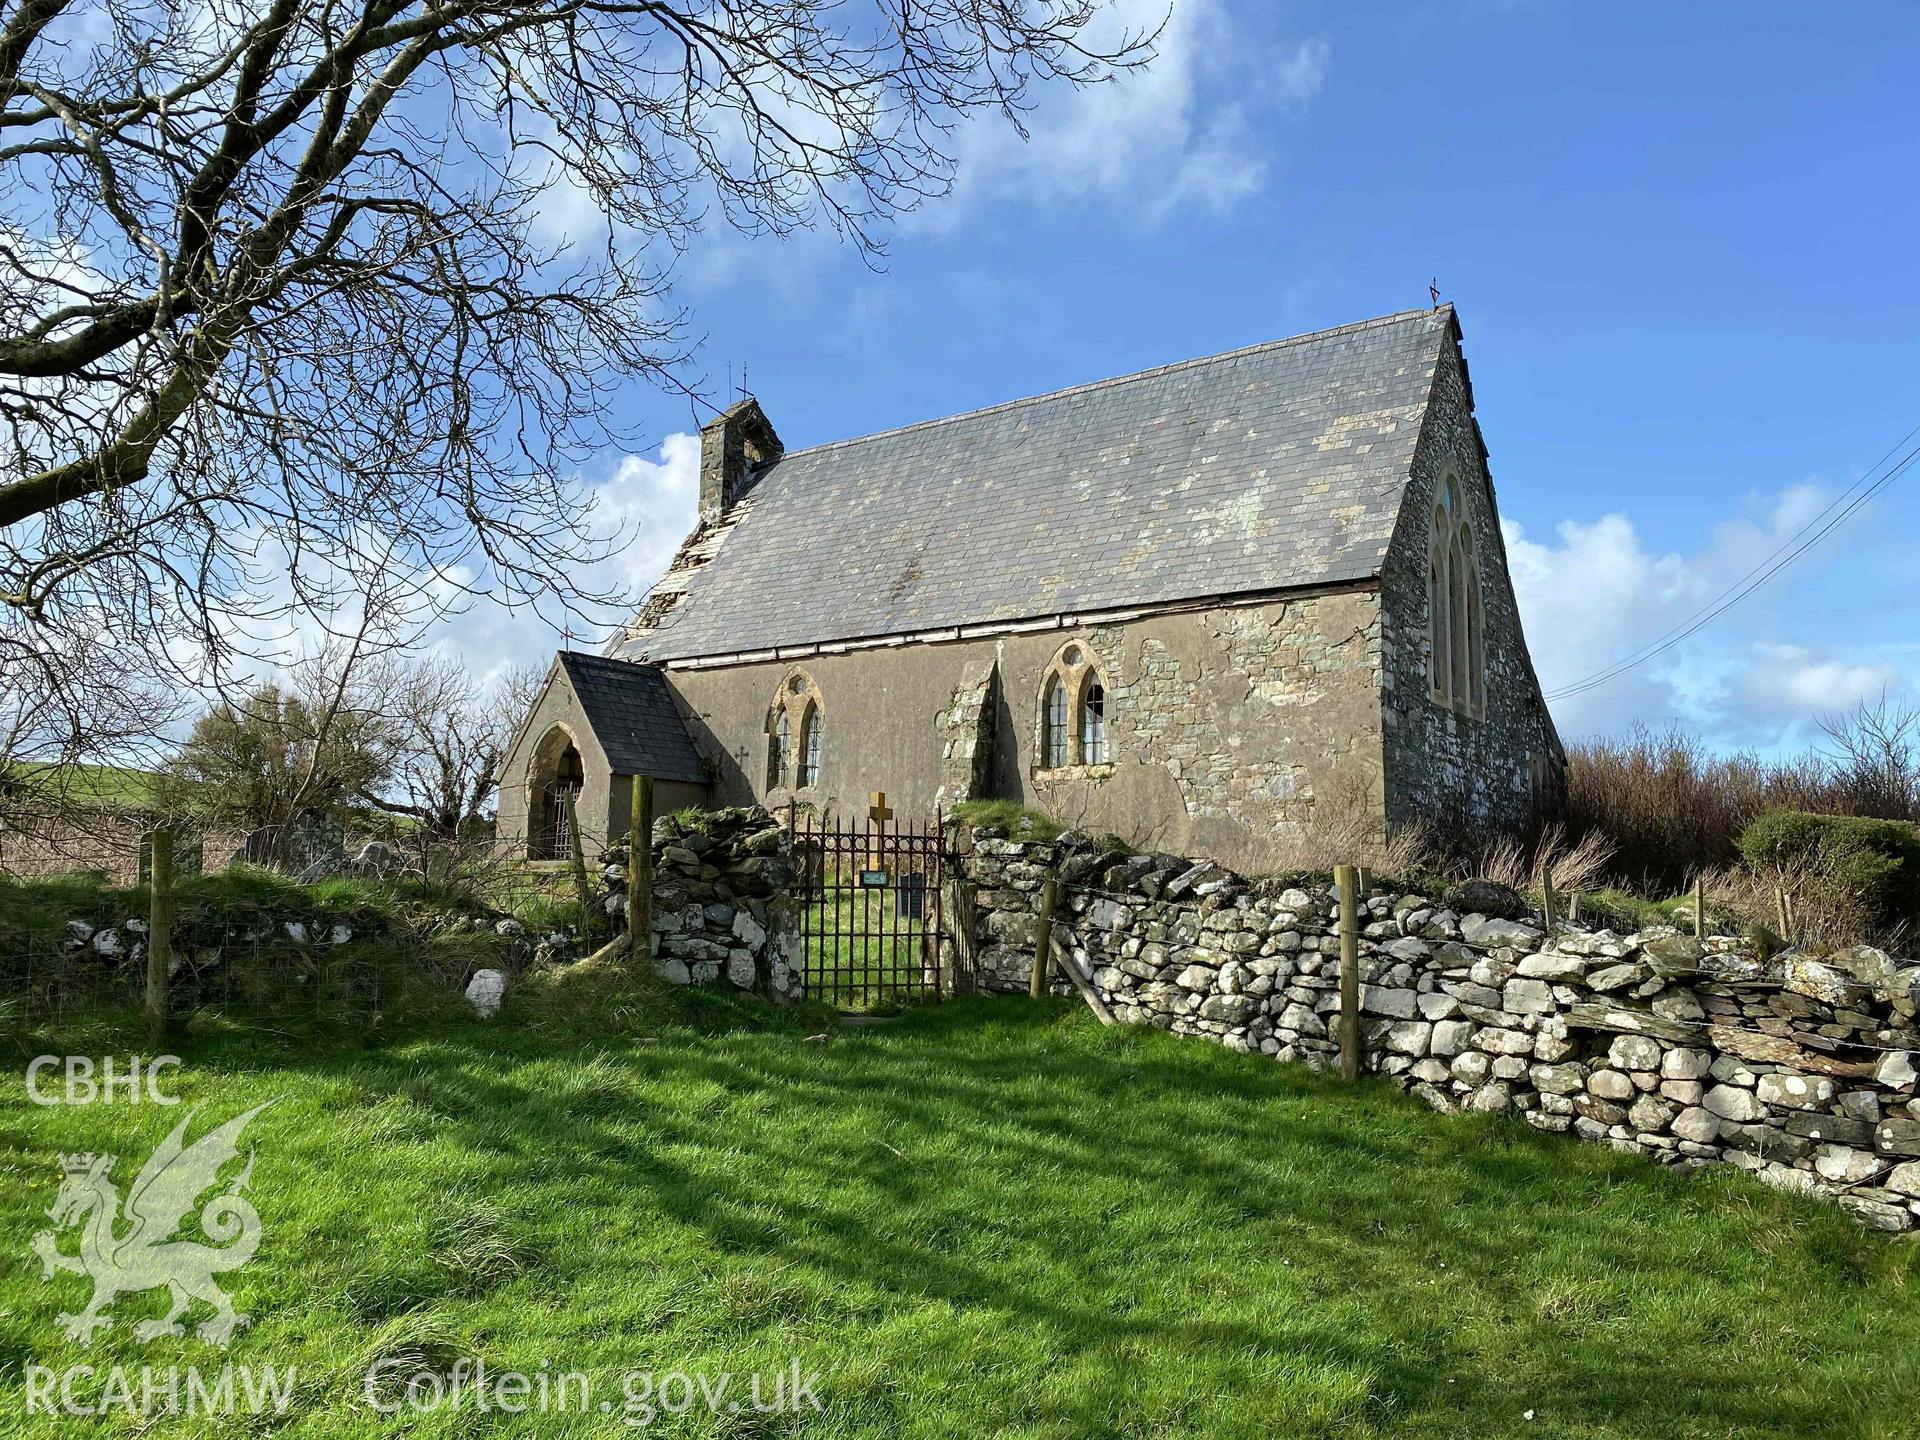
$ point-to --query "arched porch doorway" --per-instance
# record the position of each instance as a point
(556, 773)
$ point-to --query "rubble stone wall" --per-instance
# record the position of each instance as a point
(723, 900)
(1799, 1067)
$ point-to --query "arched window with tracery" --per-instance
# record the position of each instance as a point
(795, 741)
(1455, 667)
(1073, 712)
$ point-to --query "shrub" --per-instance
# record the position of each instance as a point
(1875, 863)
(1672, 808)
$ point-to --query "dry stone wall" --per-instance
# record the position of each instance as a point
(1798, 1067)
(723, 883)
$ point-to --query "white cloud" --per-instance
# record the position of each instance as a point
(653, 502)
(657, 500)
(1184, 132)
(1793, 680)
(1597, 592)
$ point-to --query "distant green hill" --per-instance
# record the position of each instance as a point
(105, 787)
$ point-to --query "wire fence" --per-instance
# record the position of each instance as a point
(255, 968)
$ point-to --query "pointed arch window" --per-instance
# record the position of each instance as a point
(1073, 712)
(795, 738)
(780, 753)
(1455, 662)
(1471, 617)
(1093, 721)
(810, 744)
(1053, 724)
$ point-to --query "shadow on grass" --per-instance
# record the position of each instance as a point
(1134, 1197)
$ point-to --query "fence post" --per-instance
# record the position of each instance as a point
(1700, 907)
(159, 936)
(1547, 909)
(580, 885)
(1043, 944)
(1783, 910)
(640, 870)
(1348, 883)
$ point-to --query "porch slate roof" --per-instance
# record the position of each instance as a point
(632, 714)
(1269, 468)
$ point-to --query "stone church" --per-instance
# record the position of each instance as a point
(1187, 606)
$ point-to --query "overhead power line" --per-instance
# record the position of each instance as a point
(1843, 505)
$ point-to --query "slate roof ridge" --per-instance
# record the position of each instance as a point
(1260, 348)
(610, 660)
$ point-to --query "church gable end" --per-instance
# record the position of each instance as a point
(1468, 739)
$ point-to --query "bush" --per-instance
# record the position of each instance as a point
(1672, 808)
(1876, 863)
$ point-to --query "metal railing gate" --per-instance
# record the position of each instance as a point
(870, 895)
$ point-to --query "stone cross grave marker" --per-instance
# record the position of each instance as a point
(878, 812)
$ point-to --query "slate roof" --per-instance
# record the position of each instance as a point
(632, 714)
(1267, 468)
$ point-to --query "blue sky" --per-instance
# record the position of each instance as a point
(1681, 242)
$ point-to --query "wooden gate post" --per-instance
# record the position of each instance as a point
(160, 937)
(1549, 911)
(1700, 906)
(581, 888)
(1348, 884)
(640, 870)
(1043, 944)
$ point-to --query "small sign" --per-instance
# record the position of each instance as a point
(874, 879)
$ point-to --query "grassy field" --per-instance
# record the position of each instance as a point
(986, 1218)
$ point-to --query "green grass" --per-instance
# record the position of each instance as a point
(1022, 822)
(859, 954)
(988, 1218)
(118, 787)
(1619, 910)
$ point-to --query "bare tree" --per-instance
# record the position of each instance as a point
(58, 708)
(445, 734)
(275, 310)
(1874, 760)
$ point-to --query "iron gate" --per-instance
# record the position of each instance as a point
(870, 908)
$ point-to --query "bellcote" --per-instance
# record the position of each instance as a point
(734, 447)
